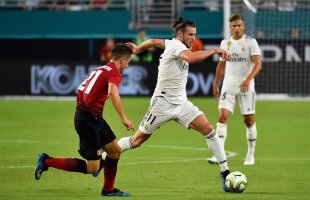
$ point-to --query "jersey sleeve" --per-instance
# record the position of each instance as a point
(224, 47)
(176, 47)
(115, 78)
(167, 42)
(255, 50)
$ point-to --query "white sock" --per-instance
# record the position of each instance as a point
(251, 133)
(104, 155)
(221, 131)
(217, 149)
(125, 143)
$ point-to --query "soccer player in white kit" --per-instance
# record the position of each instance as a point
(169, 101)
(238, 84)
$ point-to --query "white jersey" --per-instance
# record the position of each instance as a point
(240, 64)
(172, 73)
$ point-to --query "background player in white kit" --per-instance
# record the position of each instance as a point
(238, 84)
(169, 101)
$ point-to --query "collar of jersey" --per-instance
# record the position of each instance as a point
(239, 39)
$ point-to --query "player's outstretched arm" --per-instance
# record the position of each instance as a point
(198, 56)
(116, 102)
(159, 43)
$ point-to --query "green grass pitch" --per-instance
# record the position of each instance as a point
(171, 165)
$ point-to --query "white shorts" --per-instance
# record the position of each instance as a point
(161, 111)
(246, 101)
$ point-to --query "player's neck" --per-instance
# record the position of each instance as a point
(237, 37)
(116, 63)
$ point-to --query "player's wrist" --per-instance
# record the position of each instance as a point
(124, 119)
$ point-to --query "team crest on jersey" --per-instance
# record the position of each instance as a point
(185, 66)
(243, 48)
(228, 44)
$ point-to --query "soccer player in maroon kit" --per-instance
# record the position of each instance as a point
(94, 132)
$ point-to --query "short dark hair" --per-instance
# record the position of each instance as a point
(181, 23)
(120, 50)
(235, 17)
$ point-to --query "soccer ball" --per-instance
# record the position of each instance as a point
(236, 182)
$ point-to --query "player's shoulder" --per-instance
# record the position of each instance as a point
(249, 38)
(174, 43)
(167, 42)
(109, 68)
(226, 40)
(226, 43)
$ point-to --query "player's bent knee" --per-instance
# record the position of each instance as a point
(248, 121)
(223, 119)
(115, 154)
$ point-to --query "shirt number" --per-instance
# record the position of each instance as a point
(93, 77)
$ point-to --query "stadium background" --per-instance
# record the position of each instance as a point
(50, 46)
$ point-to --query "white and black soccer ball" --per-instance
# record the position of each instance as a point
(236, 182)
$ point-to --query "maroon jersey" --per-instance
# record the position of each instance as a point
(93, 92)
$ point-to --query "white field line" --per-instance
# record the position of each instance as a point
(260, 97)
(40, 98)
(34, 142)
(168, 162)
(16, 167)
(229, 154)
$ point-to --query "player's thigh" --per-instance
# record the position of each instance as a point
(159, 112)
(106, 133)
(88, 132)
(187, 113)
(108, 140)
(227, 101)
(247, 102)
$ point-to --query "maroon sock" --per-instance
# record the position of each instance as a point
(67, 164)
(110, 170)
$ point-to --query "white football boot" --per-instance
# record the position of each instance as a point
(249, 160)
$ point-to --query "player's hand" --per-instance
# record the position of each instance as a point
(216, 92)
(134, 47)
(128, 124)
(244, 87)
(224, 54)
